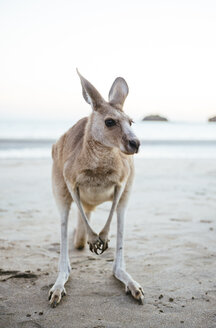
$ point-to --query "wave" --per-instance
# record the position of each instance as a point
(41, 148)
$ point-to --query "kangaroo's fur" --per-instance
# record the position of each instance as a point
(92, 164)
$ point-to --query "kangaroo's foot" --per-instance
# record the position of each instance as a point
(131, 286)
(55, 294)
(58, 290)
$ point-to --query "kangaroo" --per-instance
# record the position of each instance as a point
(92, 164)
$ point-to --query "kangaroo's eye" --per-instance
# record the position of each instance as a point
(110, 122)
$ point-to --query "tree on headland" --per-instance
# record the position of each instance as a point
(212, 119)
(155, 118)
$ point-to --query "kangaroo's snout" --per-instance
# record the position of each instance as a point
(134, 145)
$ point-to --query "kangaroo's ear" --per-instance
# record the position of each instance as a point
(118, 93)
(90, 93)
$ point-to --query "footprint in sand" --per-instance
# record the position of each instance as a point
(3, 210)
(28, 324)
(10, 274)
(180, 220)
(205, 221)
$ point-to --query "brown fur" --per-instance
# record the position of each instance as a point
(92, 164)
(75, 160)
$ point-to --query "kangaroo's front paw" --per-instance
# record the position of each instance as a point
(104, 239)
(96, 245)
(135, 290)
(55, 295)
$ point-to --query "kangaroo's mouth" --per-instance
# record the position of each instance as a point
(127, 152)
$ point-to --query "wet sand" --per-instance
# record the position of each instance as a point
(170, 249)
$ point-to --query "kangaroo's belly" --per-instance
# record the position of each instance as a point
(96, 195)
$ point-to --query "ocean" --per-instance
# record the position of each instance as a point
(21, 139)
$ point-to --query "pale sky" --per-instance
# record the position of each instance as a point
(166, 51)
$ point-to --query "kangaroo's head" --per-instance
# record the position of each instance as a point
(109, 125)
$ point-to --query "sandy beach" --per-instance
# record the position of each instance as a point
(169, 249)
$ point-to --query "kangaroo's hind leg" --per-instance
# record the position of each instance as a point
(81, 233)
(119, 271)
(63, 201)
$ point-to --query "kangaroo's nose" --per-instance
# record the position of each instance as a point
(134, 144)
